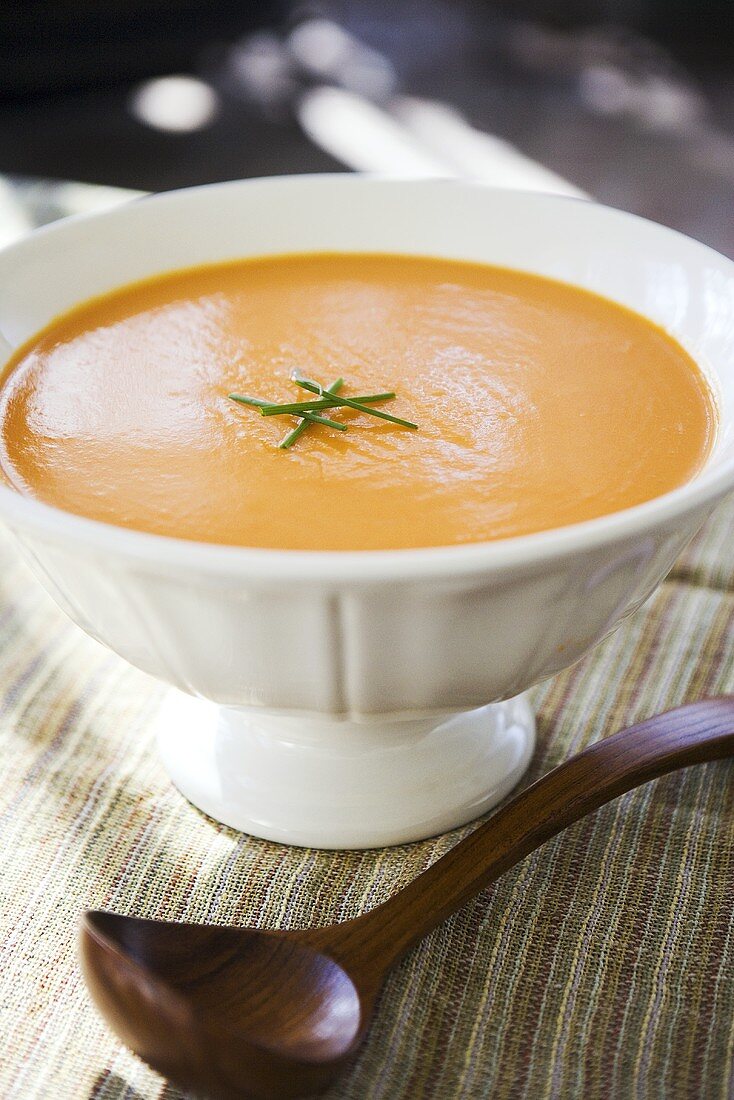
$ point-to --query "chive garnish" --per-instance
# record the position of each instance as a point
(298, 408)
(327, 399)
(291, 438)
(307, 416)
(355, 403)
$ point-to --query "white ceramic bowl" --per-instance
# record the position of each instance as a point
(352, 689)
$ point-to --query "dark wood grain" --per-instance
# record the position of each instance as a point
(239, 1013)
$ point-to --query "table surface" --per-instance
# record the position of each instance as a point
(598, 968)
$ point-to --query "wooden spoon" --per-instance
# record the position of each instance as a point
(239, 1013)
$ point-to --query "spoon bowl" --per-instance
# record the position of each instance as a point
(197, 1002)
(241, 1013)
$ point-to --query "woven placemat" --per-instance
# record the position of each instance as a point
(600, 967)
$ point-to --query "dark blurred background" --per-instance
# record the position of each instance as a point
(632, 100)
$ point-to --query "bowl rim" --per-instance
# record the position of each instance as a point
(338, 566)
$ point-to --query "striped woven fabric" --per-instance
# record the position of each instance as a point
(599, 967)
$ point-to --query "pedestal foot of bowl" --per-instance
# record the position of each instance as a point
(340, 783)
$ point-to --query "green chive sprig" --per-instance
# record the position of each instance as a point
(258, 404)
(330, 398)
(291, 438)
(357, 403)
(286, 408)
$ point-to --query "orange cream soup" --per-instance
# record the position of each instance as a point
(538, 404)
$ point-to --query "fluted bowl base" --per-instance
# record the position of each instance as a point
(337, 783)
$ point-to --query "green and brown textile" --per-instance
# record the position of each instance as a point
(600, 967)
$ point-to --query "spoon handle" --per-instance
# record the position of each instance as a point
(691, 734)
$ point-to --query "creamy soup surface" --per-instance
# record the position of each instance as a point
(538, 405)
